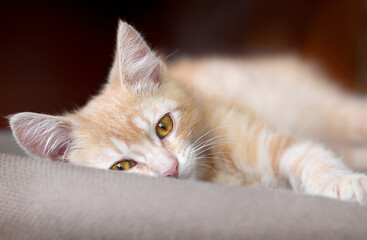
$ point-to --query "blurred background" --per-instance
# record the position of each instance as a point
(55, 55)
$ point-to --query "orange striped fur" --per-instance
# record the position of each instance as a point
(232, 123)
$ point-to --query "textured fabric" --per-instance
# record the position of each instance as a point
(49, 200)
(8, 143)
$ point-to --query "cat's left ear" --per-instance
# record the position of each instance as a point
(42, 136)
(139, 67)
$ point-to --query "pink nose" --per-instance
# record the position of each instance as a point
(172, 172)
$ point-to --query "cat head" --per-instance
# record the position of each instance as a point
(141, 121)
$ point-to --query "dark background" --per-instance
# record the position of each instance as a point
(54, 56)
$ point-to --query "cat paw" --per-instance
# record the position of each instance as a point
(352, 187)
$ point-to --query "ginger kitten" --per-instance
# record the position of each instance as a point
(200, 123)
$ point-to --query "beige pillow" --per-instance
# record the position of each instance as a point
(49, 200)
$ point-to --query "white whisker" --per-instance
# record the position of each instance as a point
(215, 153)
(209, 141)
(207, 134)
(206, 165)
(171, 54)
(211, 147)
(215, 158)
(208, 144)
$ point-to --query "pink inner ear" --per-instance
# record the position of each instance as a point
(41, 135)
(155, 75)
(131, 46)
(139, 53)
(138, 65)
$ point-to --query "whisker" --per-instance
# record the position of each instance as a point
(206, 165)
(215, 153)
(209, 144)
(216, 161)
(210, 140)
(171, 54)
(216, 158)
(207, 133)
(220, 141)
(210, 147)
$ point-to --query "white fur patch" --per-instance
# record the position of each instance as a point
(128, 151)
(141, 124)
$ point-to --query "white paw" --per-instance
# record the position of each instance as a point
(352, 187)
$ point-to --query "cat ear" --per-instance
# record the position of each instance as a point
(138, 65)
(42, 136)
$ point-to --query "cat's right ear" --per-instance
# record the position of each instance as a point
(138, 67)
(42, 136)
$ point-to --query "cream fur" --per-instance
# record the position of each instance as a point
(235, 121)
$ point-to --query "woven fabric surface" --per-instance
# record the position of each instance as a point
(50, 200)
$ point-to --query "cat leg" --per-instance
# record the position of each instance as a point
(307, 167)
(264, 155)
(312, 169)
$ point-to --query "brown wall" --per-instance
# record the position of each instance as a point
(55, 55)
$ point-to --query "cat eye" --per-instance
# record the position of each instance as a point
(123, 165)
(164, 126)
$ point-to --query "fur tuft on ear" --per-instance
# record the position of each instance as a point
(42, 136)
(139, 67)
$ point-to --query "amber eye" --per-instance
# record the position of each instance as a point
(123, 165)
(164, 126)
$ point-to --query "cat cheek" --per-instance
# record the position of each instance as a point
(143, 170)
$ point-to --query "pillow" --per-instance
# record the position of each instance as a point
(51, 200)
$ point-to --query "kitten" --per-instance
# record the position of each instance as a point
(200, 123)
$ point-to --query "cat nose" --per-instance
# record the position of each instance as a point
(172, 172)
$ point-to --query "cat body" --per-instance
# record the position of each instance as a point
(291, 94)
(220, 120)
